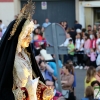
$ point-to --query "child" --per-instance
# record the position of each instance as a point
(92, 56)
(71, 49)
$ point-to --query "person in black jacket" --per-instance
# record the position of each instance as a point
(73, 34)
(77, 25)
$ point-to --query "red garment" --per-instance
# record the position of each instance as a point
(26, 93)
(37, 42)
(40, 37)
(93, 43)
(57, 95)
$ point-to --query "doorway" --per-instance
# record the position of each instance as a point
(97, 16)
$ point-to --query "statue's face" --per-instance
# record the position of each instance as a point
(26, 41)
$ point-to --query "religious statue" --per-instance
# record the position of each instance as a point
(20, 77)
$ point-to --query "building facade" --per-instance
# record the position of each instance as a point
(89, 12)
(8, 9)
(55, 10)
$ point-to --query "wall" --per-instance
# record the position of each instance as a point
(6, 12)
(8, 9)
(81, 15)
(88, 16)
(77, 10)
(57, 11)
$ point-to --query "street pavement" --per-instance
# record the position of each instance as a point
(79, 90)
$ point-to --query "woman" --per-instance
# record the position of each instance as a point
(89, 94)
(62, 24)
(83, 32)
(95, 28)
(90, 77)
(67, 80)
(98, 43)
(36, 24)
(93, 41)
(87, 44)
(73, 73)
(79, 43)
(18, 67)
(37, 42)
(65, 25)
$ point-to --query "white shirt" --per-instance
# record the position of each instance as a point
(65, 44)
(78, 43)
(2, 26)
(46, 24)
(98, 43)
(36, 25)
(31, 37)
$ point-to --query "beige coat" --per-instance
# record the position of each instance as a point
(70, 79)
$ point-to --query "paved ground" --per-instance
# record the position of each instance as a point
(79, 90)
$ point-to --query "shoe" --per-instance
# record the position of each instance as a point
(77, 67)
(81, 67)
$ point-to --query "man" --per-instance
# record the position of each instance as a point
(73, 34)
(77, 25)
(46, 73)
(89, 28)
(57, 94)
(47, 23)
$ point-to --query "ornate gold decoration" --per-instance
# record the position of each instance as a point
(48, 94)
(44, 92)
(26, 12)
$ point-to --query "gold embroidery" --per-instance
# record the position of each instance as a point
(26, 12)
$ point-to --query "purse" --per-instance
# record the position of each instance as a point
(65, 93)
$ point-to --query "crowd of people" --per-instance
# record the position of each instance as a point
(83, 53)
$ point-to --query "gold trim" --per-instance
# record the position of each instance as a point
(26, 12)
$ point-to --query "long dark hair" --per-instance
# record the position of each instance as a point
(87, 35)
(90, 74)
(70, 66)
(80, 36)
(67, 66)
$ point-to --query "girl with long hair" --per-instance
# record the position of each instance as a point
(67, 80)
(87, 44)
(79, 43)
(90, 77)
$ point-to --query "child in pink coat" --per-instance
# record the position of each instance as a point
(92, 56)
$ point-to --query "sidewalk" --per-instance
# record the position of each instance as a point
(79, 90)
